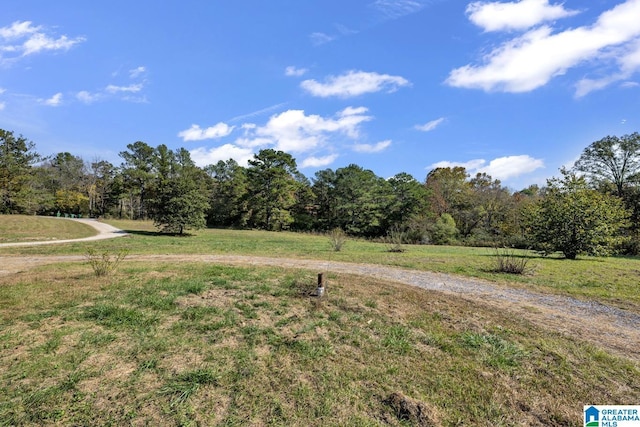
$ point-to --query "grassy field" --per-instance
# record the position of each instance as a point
(20, 228)
(613, 280)
(196, 344)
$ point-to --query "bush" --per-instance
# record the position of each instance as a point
(508, 261)
(337, 239)
(104, 263)
(444, 230)
(394, 239)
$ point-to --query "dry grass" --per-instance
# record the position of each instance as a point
(194, 344)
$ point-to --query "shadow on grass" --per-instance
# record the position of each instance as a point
(156, 233)
(556, 256)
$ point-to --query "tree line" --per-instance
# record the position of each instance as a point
(592, 208)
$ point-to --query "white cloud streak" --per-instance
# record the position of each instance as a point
(292, 71)
(531, 60)
(131, 92)
(496, 16)
(429, 126)
(196, 133)
(133, 88)
(137, 72)
(22, 39)
(501, 168)
(87, 97)
(318, 38)
(54, 101)
(318, 162)
(395, 9)
(354, 83)
(372, 148)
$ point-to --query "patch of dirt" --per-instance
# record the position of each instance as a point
(408, 409)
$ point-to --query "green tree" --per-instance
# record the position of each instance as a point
(303, 210)
(139, 175)
(324, 207)
(17, 156)
(612, 161)
(492, 205)
(361, 201)
(272, 189)
(444, 230)
(575, 219)
(180, 202)
(68, 180)
(104, 191)
(228, 194)
(449, 190)
(409, 198)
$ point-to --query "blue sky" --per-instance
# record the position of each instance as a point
(515, 89)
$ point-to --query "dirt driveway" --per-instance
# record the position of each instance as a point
(610, 328)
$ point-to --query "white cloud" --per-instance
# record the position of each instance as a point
(259, 112)
(295, 72)
(318, 162)
(196, 133)
(132, 88)
(2, 90)
(210, 156)
(394, 9)
(512, 166)
(321, 38)
(87, 97)
(429, 126)
(629, 63)
(21, 39)
(496, 16)
(129, 92)
(137, 72)
(3, 105)
(501, 168)
(54, 101)
(530, 61)
(372, 148)
(627, 85)
(354, 83)
(18, 30)
(294, 131)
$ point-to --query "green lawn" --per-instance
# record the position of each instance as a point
(612, 280)
(21, 228)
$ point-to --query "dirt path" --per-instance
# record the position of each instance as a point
(613, 329)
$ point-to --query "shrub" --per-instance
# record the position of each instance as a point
(508, 261)
(104, 263)
(337, 239)
(444, 230)
(394, 239)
